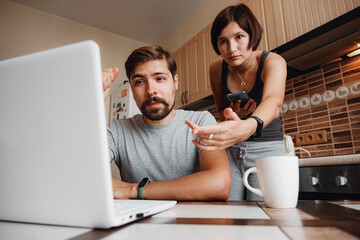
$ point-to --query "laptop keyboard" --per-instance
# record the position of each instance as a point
(124, 207)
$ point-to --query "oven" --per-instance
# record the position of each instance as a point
(330, 182)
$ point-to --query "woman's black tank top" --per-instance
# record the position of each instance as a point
(273, 131)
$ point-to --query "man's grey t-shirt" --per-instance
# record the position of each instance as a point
(157, 152)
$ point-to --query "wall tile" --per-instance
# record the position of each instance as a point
(331, 73)
(353, 100)
(313, 83)
(331, 67)
(333, 78)
(352, 71)
(352, 78)
(333, 85)
(339, 121)
(344, 151)
(337, 103)
(339, 117)
(340, 128)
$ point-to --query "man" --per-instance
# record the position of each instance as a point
(158, 144)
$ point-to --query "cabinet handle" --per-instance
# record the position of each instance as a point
(182, 98)
(185, 95)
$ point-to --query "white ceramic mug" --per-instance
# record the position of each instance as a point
(278, 179)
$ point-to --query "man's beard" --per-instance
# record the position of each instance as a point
(158, 113)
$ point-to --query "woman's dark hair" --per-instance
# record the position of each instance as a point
(147, 53)
(243, 16)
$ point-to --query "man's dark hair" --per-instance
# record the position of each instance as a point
(147, 53)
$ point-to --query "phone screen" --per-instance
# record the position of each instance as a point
(234, 97)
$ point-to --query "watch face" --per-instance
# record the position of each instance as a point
(143, 182)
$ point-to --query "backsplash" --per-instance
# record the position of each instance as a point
(326, 99)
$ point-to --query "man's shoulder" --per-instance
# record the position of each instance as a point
(195, 116)
(125, 121)
(193, 113)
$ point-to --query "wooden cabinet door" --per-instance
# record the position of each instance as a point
(210, 57)
(302, 16)
(284, 20)
(183, 76)
(257, 7)
(178, 93)
(193, 93)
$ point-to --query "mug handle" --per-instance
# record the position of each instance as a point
(245, 180)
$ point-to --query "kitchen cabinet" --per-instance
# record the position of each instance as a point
(177, 56)
(194, 61)
(257, 7)
(209, 57)
(181, 61)
(285, 20)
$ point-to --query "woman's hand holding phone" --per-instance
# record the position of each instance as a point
(241, 104)
(249, 107)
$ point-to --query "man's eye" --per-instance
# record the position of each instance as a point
(239, 36)
(138, 82)
(160, 78)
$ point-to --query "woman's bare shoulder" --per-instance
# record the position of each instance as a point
(274, 57)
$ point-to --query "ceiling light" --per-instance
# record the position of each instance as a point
(354, 53)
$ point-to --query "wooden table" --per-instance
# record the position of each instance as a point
(238, 220)
(223, 220)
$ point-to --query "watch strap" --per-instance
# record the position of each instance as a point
(141, 187)
(259, 127)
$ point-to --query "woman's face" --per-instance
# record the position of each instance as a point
(233, 44)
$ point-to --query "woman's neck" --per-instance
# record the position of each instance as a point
(247, 65)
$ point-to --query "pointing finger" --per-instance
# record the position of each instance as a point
(206, 130)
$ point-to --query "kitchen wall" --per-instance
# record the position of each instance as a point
(340, 117)
(195, 23)
(24, 30)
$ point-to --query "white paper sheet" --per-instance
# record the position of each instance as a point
(215, 211)
(199, 232)
(18, 231)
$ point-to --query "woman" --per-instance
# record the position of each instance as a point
(254, 130)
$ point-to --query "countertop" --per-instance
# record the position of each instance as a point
(311, 219)
(330, 160)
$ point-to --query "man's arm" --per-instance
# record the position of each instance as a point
(213, 182)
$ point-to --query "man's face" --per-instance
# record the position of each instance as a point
(154, 89)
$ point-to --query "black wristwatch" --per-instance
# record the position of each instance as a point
(141, 186)
(259, 127)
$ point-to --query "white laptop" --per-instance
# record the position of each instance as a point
(54, 161)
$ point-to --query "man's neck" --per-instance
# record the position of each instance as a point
(161, 122)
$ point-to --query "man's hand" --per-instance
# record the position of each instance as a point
(123, 190)
(108, 77)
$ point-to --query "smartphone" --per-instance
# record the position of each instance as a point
(234, 97)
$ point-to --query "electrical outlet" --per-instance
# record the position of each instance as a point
(310, 138)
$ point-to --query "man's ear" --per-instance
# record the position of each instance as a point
(176, 81)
